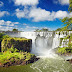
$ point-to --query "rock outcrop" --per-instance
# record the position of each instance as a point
(19, 43)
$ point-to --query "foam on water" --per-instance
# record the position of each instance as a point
(43, 44)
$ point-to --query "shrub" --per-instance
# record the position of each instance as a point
(6, 36)
(62, 50)
(65, 50)
(8, 56)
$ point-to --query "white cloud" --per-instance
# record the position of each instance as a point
(16, 22)
(22, 13)
(8, 23)
(61, 14)
(27, 27)
(39, 14)
(24, 24)
(2, 22)
(1, 3)
(5, 28)
(62, 2)
(26, 2)
(2, 13)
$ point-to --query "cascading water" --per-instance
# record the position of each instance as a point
(49, 61)
(43, 44)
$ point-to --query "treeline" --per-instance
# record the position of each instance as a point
(41, 30)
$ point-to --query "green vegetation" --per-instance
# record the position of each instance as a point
(22, 68)
(2, 36)
(42, 30)
(70, 5)
(19, 43)
(14, 49)
(67, 22)
(59, 29)
(15, 30)
(68, 49)
(42, 65)
(12, 55)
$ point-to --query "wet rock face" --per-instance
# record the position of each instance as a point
(0, 46)
(70, 61)
(20, 44)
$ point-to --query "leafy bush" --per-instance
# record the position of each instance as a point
(6, 36)
(61, 50)
(8, 56)
(65, 50)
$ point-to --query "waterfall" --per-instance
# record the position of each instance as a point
(42, 42)
(56, 41)
(42, 45)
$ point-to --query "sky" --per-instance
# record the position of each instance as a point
(29, 15)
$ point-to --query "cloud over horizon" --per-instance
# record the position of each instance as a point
(26, 2)
(38, 14)
(7, 25)
(62, 2)
(2, 13)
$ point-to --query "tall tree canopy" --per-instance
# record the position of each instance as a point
(42, 30)
(15, 30)
(70, 5)
(68, 20)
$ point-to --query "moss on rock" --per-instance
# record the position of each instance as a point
(19, 43)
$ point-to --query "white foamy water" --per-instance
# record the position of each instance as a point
(51, 65)
(43, 44)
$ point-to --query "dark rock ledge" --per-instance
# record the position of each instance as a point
(19, 62)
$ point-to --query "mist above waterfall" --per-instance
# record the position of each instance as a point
(42, 45)
(42, 42)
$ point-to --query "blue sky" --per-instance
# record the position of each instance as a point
(28, 15)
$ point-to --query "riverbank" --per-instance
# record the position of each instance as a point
(17, 58)
(56, 64)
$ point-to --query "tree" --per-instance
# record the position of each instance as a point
(37, 30)
(15, 30)
(70, 5)
(67, 20)
(59, 29)
(44, 29)
(67, 23)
